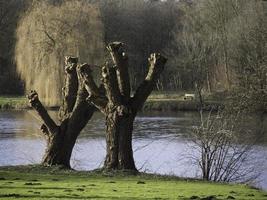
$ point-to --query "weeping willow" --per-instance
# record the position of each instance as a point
(47, 33)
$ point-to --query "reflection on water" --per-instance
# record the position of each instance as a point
(159, 142)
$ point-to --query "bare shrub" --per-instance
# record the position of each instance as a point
(224, 149)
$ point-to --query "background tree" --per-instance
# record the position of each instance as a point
(229, 27)
(46, 33)
(193, 52)
(222, 26)
(9, 16)
(117, 104)
(74, 114)
(250, 56)
(145, 26)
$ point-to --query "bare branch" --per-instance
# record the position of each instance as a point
(37, 105)
(157, 63)
(85, 72)
(110, 82)
(71, 87)
(82, 113)
(94, 93)
(120, 59)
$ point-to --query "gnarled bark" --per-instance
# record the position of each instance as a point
(74, 114)
(118, 106)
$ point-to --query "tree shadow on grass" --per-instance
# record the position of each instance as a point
(32, 187)
(17, 196)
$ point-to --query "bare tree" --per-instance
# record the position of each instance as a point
(250, 56)
(117, 104)
(74, 114)
(195, 53)
(235, 37)
(212, 25)
(223, 155)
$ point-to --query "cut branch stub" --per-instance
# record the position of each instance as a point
(95, 95)
(70, 88)
(120, 60)
(110, 82)
(157, 63)
(85, 72)
(37, 105)
(117, 52)
(70, 64)
(33, 98)
(156, 66)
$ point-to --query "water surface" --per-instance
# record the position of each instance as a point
(161, 143)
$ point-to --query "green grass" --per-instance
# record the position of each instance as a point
(33, 182)
(13, 102)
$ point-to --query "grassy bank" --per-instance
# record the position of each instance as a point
(13, 102)
(155, 102)
(170, 101)
(34, 182)
(175, 105)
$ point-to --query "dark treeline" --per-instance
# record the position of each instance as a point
(211, 45)
(145, 26)
(9, 16)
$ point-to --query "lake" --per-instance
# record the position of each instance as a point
(161, 143)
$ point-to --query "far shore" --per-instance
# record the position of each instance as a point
(156, 102)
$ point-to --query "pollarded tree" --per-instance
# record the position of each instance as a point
(73, 115)
(119, 107)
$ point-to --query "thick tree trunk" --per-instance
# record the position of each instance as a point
(126, 159)
(57, 152)
(119, 154)
(59, 147)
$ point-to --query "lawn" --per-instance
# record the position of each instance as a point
(34, 182)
